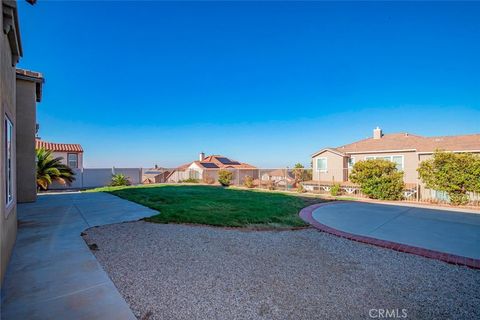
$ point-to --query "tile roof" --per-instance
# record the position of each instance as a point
(208, 162)
(407, 141)
(224, 162)
(30, 74)
(60, 147)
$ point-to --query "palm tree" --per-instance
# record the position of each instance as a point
(51, 169)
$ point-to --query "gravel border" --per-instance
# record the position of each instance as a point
(189, 272)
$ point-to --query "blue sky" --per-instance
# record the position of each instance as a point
(267, 83)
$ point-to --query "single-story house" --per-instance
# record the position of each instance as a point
(206, 169)
(71, 153)
(404, 149)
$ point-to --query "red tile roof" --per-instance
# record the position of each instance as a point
(59, 147)
(407, 141)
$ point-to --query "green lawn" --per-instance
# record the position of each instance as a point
(226, 207)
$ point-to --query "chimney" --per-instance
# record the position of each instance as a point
(377, 133)
(201, 156)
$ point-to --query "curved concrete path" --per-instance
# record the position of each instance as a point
(52, 273)
(450, 236)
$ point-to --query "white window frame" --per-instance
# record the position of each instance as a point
(326, 164)
(391, 159)
(68, 160)
(9, 162)
(350, 166)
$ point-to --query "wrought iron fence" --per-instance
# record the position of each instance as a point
(287, 179)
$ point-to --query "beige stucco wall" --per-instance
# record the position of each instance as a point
(25, 130)
(8, 215)
(410, 162)
(65, 161)
(336, 165)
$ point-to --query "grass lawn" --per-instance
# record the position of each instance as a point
(226, 207)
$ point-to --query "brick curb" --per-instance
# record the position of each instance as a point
(306, 215)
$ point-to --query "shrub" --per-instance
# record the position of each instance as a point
(300, 188)
(248, 182)
(454, 173)
(225, 177)
(191, 180)
(335, 189)
(208, 179)
(378, 179)
(119, 180)
(271, 185)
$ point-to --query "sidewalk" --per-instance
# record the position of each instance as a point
(52, 273)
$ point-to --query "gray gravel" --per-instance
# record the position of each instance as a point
(193, 272)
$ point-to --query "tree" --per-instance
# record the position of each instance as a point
(51, 169)
(378, 179)
(454, 173)
(225, 177)
(301, 174)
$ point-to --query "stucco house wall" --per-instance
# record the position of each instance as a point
(8, 214)
(410, 162)
(336, 165)
(64, 155)
(28, 93)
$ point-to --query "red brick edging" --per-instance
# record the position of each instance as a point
(306, 215)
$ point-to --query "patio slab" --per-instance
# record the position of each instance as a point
(454, 233)
(52, 273)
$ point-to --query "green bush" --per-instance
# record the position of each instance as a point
(335, 189)
(248, 182)
(300, 188)
(119, 180)
(190, 180)
(378, 179)
(454, 173)
(225, 177)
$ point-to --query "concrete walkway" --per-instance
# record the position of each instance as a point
(455, 233)
(52, 273)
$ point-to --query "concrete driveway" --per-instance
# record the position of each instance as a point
(52, 273)
(451, 232)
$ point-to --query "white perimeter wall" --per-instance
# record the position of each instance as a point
(99, 177)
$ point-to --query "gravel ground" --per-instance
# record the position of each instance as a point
(194, 272)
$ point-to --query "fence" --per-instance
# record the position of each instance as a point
(99, 177)
(283, 179)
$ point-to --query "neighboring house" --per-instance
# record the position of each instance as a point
(206, 169)
(19, 92)
(280, 177)
(155, 175)
(71, 153)
(404, 149)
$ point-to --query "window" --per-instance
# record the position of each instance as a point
(398, 160)
(322, 164)
(72, 159)
(351, 162)
(8, 152)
